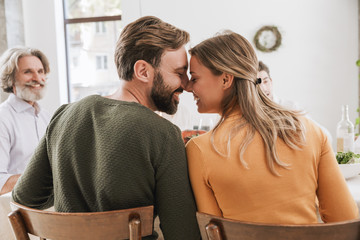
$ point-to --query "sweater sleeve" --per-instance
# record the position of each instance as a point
(205, 198)
(335, 200)
(35, 186)
(174, 199)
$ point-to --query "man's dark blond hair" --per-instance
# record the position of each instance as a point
(146, 39)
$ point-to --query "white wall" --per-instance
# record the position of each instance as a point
(314, 66)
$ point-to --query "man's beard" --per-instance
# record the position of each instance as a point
(162, 95)
(27, 93)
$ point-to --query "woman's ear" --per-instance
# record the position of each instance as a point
(143, 71)
(227, 80)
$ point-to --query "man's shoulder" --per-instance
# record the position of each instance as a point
(97, 102)
(7, 118)
(6, 111)
(4, 107)
(86, 104)
(150, 119)
(127, 114)
(315, 129)
(145, 122)
(287, 103)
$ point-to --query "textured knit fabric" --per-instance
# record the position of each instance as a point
(224, 187)
(101, 154)
(21, 128)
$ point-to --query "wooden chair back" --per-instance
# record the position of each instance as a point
(120, 224)
(217, 228)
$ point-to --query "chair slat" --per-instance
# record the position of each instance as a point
(18, 226)
(232, 229)
(213, 232)
(91, 225)
(135, 228)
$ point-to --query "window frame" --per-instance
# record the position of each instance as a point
(76, 21)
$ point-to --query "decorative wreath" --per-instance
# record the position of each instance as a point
(261, 36)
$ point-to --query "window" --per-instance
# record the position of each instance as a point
(101, 62)
(100, 27)
(92, 28)
(75, 62)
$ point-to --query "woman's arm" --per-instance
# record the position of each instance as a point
(335, 200)
(204, 195)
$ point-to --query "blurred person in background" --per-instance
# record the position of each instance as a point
(266, 86)
(23, 122)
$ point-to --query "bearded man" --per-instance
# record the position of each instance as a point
(115, 152)
(22, 122)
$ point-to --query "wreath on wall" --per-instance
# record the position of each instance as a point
(267, 39)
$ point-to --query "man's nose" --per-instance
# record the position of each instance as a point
(185, 82)
(38, 76)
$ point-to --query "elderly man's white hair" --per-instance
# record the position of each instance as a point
(9, 64)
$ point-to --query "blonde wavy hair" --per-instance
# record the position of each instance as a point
(230, 53)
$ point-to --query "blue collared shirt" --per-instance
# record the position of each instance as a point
(21, 128)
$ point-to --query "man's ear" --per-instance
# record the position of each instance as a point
(143, 71)
(227, 80)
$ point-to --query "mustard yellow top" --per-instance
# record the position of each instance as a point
(224, 187)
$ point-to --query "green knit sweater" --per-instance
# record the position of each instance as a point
(100, 154)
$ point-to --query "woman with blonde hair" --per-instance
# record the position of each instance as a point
(261, 162)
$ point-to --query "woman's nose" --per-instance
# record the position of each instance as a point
(189, 86)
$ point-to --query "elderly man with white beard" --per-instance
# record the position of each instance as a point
(23, 74)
